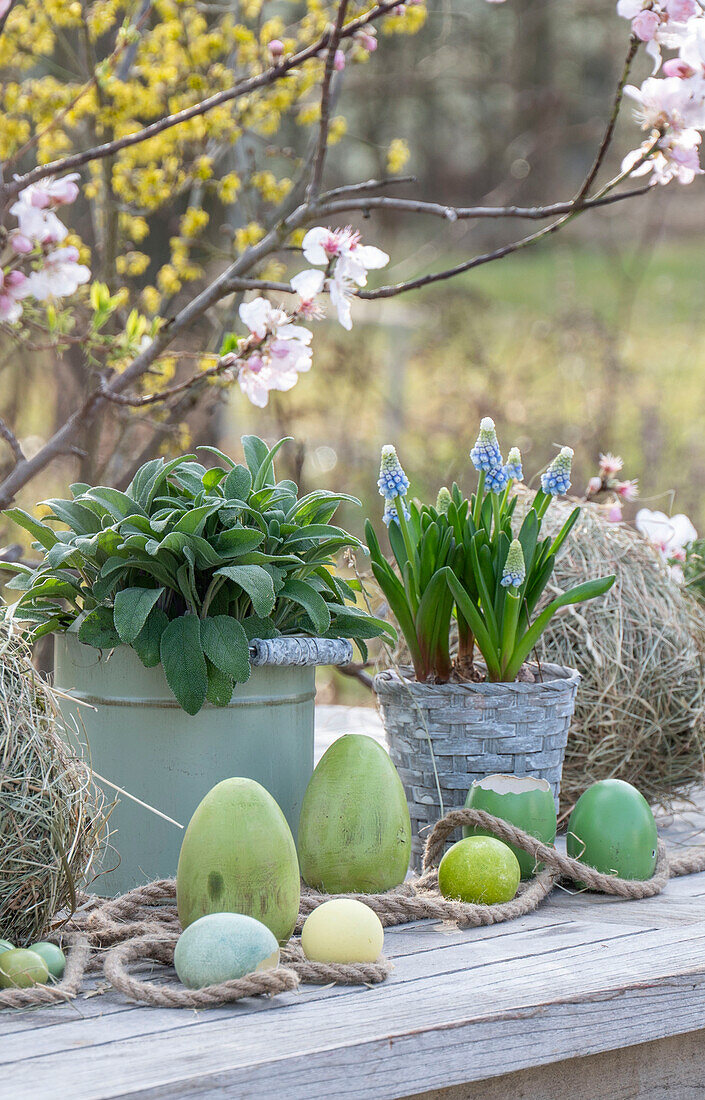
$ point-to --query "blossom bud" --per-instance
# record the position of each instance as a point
(392, 482)
(593, 487)
(675, 66)
(19, 243)
(513, 469)
(339, 61)
(556, 479)
(514, 572)
(615, 513)
(443, 500)
(276, 49)
(366, 41)
(15, 278)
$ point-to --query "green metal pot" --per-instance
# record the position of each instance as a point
(140, 740)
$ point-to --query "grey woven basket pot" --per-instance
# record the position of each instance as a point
(475, 730)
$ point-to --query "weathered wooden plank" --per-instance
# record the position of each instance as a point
(667, 1068)
(458, 1015)
(457, 955)
(405, 939)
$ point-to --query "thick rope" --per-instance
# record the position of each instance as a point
(143, 925)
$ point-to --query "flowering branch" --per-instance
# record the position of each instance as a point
(334, 60)
(242, 88)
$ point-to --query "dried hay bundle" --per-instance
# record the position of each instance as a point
(51, 819)
(640, 712)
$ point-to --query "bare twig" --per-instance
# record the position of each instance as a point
(242, 88)
(139, 401)
(612, 122)
(12, 441)
(326, 89)
(464, 213)
(365, 186)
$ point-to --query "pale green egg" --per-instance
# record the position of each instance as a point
(53, 956)
(222, 946)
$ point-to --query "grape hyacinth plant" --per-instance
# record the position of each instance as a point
(463, 559)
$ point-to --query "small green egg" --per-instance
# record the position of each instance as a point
(53, 956)
(20, 968)
(520, 800)
(613, 830)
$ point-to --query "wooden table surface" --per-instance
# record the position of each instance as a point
(584, 974)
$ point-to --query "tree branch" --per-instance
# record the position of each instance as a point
(612, 122)
(12, 441)
(326, 88)
(367, 185)
(242, 88)
(463, 213)
(139, 401)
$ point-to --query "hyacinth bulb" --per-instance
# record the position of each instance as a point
(514, 572)
(556, 479)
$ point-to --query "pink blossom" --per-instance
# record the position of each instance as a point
(670, 535)
(680, 11)
(627, 490)
(339, 61)
(60, 275)
(366, 41)
(38, 224)
(593, 487)
(19, 243)
(13, 287)
(610, 464)
(615, 513)
(308, 285)
(276, 49)
(282, 354)
(342, 251)
(4, 7)
(645, 25)
(675, 66)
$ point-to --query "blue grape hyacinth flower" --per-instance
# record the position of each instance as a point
(486, 454)
(496, 480)
(513, 469)
(514, 572)
(391, 514)
(556, 479)
(392, 482)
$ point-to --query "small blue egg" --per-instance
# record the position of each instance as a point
(222, 946)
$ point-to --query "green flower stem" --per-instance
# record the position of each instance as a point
(510, 619)
(496, 515)
(406, 535)
(479, 497)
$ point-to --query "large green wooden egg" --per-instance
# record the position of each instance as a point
(613, 830)
(522, 801)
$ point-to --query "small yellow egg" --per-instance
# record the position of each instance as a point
(342, 931)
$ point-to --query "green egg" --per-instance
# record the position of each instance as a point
(53, 956)
(613, 830)
(20, 968)
(522, 801)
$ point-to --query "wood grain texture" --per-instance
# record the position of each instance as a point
(668, 1069)
(587, 997)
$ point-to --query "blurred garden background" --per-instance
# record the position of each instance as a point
(593, 338)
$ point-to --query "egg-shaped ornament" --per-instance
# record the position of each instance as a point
(20, 969)
(53, 956)
(354, 830)
(481, 870)
(613, 830)
(523, 801)
(342, 930)
(238, 856)
(221, 947)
